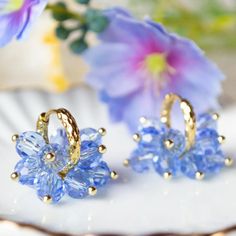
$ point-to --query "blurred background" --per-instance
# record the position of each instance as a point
(43, 62)
(210, 23)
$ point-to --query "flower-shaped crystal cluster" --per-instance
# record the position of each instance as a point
(41, 163)
(165, 149)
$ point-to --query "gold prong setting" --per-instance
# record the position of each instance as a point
(126, 162)
(15, 176)
(215, 116)
(114, 175)
(137, 137)
(199, 175)
(169, 144)
(229, 161)
(167, 176)
(92, 191)
(50, 157)
(102, 131)
(102, 149)
(14, 138)
(47, 199)
(221, 139)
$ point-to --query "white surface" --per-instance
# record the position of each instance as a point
(136, 203)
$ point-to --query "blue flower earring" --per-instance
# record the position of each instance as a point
(197, 154)
(70, 162)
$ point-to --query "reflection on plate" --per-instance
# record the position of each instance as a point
(135, 204)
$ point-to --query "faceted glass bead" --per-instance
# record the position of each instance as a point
(207, 142)
(90, 134)
(61, 157)
(178, 143)
(50, 184)
(208, 164)
(166, 163)
(60, 138)
(29, 144)
(28, 170)
(89, 157)
(214, 162)
(141, 160)
(150, 138)
(77, 183)
(191, 163)
(206, 120)
(100, 175)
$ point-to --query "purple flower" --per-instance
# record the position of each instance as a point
(16, 17)
(138, 62)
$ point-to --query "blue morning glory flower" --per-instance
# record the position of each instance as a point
(138, 61)
(17, 17)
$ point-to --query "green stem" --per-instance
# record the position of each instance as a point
(73, 15)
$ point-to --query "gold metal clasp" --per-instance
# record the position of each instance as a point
(188, 114)
(72, 132)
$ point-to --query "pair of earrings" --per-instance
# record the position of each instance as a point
(70, 162)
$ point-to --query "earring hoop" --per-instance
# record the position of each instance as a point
(72, 132)
(188, 113)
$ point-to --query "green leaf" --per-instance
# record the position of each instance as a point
(60, 12)
(78, 46)
(99, 24)
(62, 32)
(83, 1)
(96, 21)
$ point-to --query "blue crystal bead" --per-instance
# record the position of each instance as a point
(60, 138)
(208, 164)
(89, 156)
(28, 170)
(90, 134)
(214, 162)
(179, 143)
(29, 144)
(77, 183)
(150, 138)
(207, 142)
(61, 157)
(100, 175)
(50, 184)
(206, 120)
(166, 163)
(141, 160)
(191, 163)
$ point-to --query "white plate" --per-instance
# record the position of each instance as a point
(136, 203)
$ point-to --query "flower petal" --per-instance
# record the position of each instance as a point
(31, 15)
(125, 29)
(9, 27)
(50, 184)
(143, 103)
(77, 184)
(17, 23)
(28, 169)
